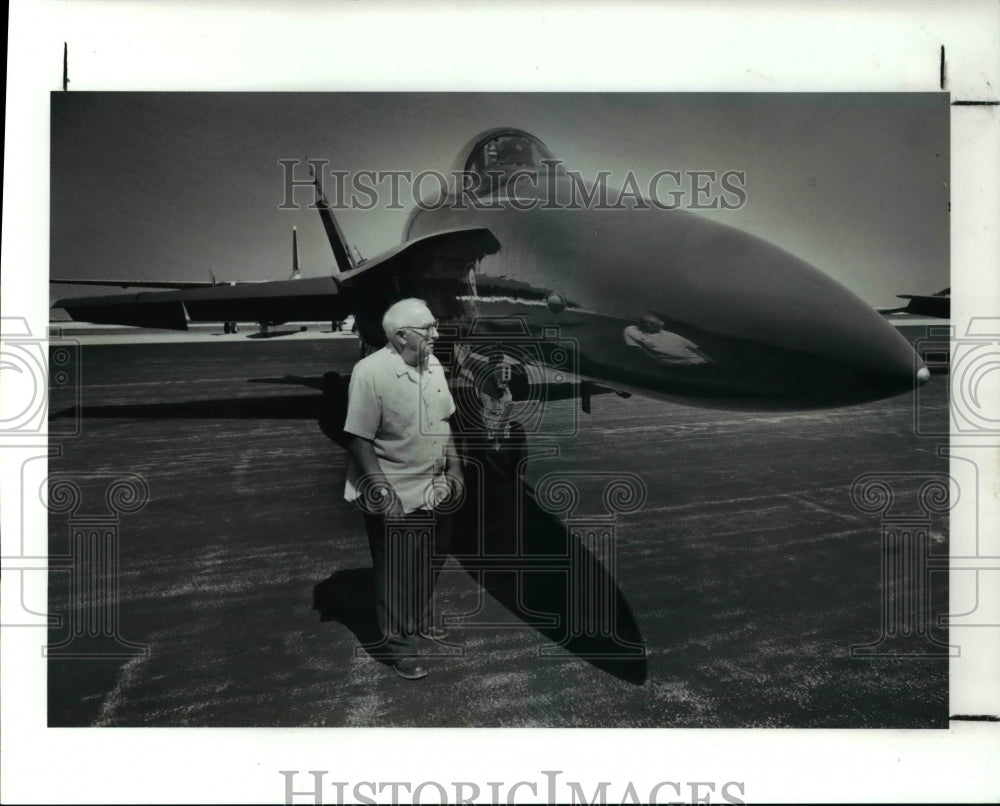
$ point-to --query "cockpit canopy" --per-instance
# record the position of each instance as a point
(495, 156)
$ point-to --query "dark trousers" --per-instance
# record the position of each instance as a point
(407, 555)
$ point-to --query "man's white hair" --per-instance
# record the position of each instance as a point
(400, 313)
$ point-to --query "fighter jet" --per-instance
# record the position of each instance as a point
(936, 305)
(632, 297)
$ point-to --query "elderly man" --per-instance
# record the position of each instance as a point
(402, 467)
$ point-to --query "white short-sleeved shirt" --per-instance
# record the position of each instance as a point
(404, 412)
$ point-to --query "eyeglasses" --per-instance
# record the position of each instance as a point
(426, 328)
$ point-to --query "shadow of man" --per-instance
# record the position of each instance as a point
(348, 597)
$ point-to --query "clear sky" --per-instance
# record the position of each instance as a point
(171, 185)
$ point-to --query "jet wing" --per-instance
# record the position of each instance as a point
(313, 299)
(927, 305)
(300, 300)
(936, 305)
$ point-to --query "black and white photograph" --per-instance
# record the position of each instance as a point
(504, 410)
(677, 407)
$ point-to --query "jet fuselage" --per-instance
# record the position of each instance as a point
(664, 301)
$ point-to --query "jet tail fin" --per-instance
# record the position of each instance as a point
(333, 232)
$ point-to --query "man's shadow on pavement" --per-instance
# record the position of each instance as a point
(348, 597)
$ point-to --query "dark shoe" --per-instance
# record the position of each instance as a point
(434, 634)
(409, 669)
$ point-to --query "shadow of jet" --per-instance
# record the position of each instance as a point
(287, 407)
(540, 570)
(293, 380)
(273, 334)
(274, 407)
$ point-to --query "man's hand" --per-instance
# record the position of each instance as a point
(382, 500)
(395, 510)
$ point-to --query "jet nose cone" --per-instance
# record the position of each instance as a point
(923, 375)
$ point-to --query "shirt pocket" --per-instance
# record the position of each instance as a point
(399, 415)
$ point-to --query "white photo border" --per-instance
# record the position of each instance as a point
(274, 46)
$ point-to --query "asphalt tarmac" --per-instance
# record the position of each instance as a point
(714, 571)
